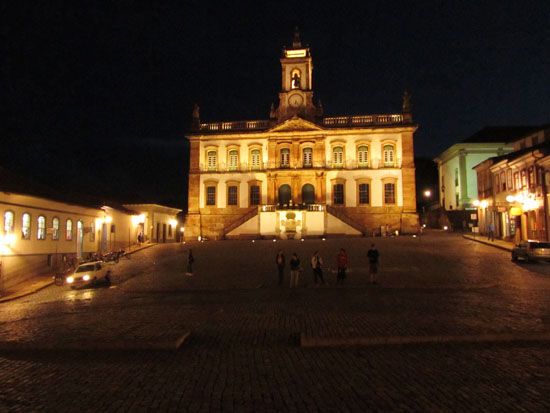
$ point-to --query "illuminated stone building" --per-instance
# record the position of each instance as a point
(301, 173)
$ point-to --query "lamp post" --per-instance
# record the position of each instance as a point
(427, 196)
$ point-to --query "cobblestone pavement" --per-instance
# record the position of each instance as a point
(243, 353)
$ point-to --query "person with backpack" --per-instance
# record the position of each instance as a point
(373, 256)
(317, 267)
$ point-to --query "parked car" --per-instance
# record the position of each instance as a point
(89, 272)
(531, 251)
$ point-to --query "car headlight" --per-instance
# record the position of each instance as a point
(70, 280)
(86, 277)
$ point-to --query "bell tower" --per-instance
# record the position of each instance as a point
(296, 95)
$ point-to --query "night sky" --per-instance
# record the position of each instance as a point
(97, 95)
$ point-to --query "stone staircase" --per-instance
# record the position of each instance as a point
(341, 215)
(239, 221)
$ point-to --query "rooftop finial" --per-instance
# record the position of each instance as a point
(296, 42)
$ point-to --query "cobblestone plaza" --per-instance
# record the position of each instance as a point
(453, 325)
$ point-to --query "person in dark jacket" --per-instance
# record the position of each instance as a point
(295, 270)
(373, 256)
(190, 261)
(317, 267)
(280, 262)
(342, 264)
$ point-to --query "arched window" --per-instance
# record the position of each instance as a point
(285, 158)
(9, 218)
(308, 194)
(389, 155)
(41, 233)
(285, 194)
(233, 159)
(55, 227)
(363, 155)
(69, 230)
(255, 157)
(307, 157)
(338, 156)
(295, 78)
(211, 160)
(26, 226)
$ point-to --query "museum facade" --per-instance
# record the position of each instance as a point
(301, 173)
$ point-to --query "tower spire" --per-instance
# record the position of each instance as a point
(296, 42)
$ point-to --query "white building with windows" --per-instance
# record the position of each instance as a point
(300, 173)
(40, 234)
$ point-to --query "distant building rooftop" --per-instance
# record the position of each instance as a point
(500, 134)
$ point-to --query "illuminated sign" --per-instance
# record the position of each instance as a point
(295, 53)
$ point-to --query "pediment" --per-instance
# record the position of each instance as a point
(296, 124)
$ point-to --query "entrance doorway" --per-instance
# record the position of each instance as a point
(308, 194)
(285, 194)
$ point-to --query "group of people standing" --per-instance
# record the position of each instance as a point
(316, 261)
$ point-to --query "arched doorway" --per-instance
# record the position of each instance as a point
(308, 194)
(285, 194)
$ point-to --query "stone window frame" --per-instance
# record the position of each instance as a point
(26, 235)
(10, 230)
(295, 70)
(389, 180)
(233, 183)
(367, 162)
(303, 146)
(210, 183)
(280, 148)
(229, 149)
(362, 181)
(68, 229)
(55, 231)
(333, 146)
(41, 230)
(253, 147)
(333, 183)
(383, 146)
(251, 183)
(207, 150)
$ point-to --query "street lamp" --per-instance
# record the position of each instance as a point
(427, 195)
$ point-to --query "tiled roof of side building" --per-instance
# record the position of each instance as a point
(500, 134)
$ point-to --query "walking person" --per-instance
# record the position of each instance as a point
(295, 270)
(491, 231)
(342, 264)
(190, 261)
(280, 261)
(374, 257)
(317, 266)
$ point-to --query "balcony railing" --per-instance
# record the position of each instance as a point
(306, 207)
(364, 120)
(242, 125)
(347, 165)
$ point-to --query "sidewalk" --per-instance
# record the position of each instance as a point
(498, 243)
(39, 282)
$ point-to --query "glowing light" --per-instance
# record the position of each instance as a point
(70, 280)
(274, 240)
(324, 239)
(510, 198)
(108, 219)
(484, 204)
(414, 236)
(423, 225)
(182, 230)
(253, 241)
(529, 204)
(445, 228)
(476, 202)
(199, 238)
(173, 222)
(295, 53)
(86, 277)
(7, 239)
(138, 219)
(427, 193)
(302, 240)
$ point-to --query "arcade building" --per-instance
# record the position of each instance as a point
(301, 173)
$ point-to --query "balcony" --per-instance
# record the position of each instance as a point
(365, 120)
(242, 167)
(238, 126)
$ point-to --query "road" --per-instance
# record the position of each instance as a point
(114, 349)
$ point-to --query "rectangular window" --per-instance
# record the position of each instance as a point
(517, 182)
(210, 195)
(389, 193)
(503, 181)
(364, 194)
(509, 182)
(69, 230)
(232, 195)
(254, 195)
(41, 234)
(524, 178)
(26, 226)
(338, 194)
(532, 181)
(497, 183)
